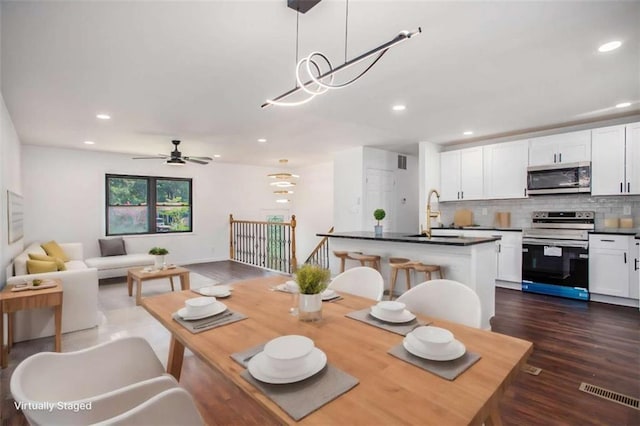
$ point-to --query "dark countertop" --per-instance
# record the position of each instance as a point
(617, 231)
(398, 237)
(479, 228)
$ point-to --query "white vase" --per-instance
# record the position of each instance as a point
(378, 230)
(310, 307)
(159, 261)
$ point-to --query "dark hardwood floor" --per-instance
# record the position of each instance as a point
(574, 342)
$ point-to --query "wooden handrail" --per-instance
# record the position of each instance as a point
(320, 254)
(266, 244)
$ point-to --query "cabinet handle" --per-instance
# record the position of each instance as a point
(499, 248)
(635, 266)
(525, 192)
(608, 241)
(554, 158)
(462, 194)
(620, 187)
(458, 195)
(560, 158)
(625, 257)
(628, 186)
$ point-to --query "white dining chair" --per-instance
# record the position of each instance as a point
(361, 281)
(171, 407)
(113, 376)
(445, 299)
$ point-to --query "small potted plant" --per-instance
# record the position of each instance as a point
(312, 280)
(379, 214)
(159, 253)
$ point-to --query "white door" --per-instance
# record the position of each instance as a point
(607, 167)
(471, 185)
(380, 190)
(574, 146)
(505, 169)
(633, 158)
(608, 272)
(450, 176)
(543, 151)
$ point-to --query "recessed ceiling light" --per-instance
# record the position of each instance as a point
(399, 107)
(623, 105)
(103, 116)
(89, 142)
(608, 47)
(262, 140)
(216, 156)
(468, 133)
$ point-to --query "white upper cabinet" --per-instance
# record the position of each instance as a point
(615, 169)
(505, 169)
(461, 175)
(563, 148)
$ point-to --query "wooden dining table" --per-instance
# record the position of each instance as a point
(390, 391)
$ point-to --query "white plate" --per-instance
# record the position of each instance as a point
(457, 351)
(216, 308)
(215, 290)
(329, 294)
(406, 316)
(260, 370)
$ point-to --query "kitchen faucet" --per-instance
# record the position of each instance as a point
(431, 213)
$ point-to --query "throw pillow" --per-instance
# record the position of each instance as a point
(112, 247)
(59, 263)
(40, 266)
(54, 250)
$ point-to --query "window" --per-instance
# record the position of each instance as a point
(148, 205)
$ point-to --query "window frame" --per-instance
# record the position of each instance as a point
(152, 212)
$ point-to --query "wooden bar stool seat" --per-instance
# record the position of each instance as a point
(428, 269)
(343, 256)
(396, 264)
(373, 259)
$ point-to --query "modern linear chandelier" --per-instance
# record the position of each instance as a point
(314, 79)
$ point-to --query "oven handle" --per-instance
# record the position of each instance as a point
(556, 243)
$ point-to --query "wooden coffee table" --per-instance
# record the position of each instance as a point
(139, 275)
(12, 301)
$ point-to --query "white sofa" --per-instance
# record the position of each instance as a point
(117, 266)
(79, 297)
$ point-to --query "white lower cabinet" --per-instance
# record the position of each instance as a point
(611, 265)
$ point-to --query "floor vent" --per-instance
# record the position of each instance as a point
(610, 395)
(534, 371)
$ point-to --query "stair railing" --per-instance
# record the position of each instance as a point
(320, 255)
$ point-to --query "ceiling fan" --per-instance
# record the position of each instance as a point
(176, 158)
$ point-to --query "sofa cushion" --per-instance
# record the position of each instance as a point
(124, 261)
(41, 266)
(74, 265)
(44, 257)
(53, 249)
(112, 247)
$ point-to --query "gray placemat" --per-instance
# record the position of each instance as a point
(302, 398)
(402, 329)
(204, 324)
(245, 356)
(446, 369)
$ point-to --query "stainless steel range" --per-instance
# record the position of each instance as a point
(555, 253)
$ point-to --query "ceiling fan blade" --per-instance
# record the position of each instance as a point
(157, 157)
(201, 158)
(194, 160)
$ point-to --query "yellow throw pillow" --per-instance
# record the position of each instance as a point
(40, 266)
(59, 262)
(53, 249)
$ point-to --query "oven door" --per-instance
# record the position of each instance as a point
(556, 267)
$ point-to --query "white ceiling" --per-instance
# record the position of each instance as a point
(199, 71)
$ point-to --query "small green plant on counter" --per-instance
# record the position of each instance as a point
(312, 279)
(379, 214)
(158, 251)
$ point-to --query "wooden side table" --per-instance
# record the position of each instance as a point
(138, 275)
(12, 301)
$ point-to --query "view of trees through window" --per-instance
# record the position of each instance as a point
(148, 205)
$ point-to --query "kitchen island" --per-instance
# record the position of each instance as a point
(471, 261)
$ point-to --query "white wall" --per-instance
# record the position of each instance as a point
(313, 206)
(10, 179)
(348, 187)
(65, 197)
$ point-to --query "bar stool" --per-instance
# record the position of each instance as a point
(428, 269)
(373, 259)
(396, 264)
(343, 256)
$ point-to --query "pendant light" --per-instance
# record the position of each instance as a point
(282, 182)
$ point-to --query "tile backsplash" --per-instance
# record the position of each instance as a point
(520, 209)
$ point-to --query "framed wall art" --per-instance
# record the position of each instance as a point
(15, 216)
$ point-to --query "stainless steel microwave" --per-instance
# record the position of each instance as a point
(559, 178)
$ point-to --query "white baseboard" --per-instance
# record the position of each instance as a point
(613, 300)
(509, 284)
